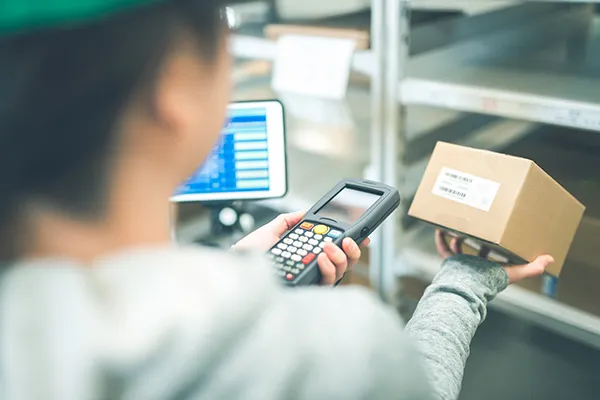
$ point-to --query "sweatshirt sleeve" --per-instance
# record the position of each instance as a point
(448, 315)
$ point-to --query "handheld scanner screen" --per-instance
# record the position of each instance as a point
(348, 205)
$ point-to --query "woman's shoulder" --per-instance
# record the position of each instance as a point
(209, 281)
(170, 273)
(145, 290)
(143, 261)
(192, 305)
(188, 261)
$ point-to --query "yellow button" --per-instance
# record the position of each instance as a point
(321, 229)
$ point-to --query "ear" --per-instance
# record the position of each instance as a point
(178, 88)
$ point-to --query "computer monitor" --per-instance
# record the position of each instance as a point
(248, 162)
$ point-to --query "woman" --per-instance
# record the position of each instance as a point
(105, 107)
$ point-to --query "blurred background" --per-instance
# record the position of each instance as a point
(516, 77)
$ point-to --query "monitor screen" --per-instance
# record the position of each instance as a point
(247, 162)
(348, 205)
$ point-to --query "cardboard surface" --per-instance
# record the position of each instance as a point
(359, 36)
(507, 202)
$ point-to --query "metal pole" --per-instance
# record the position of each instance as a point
(390, 145)
(396, 25)
(378, 9)
(390, 21)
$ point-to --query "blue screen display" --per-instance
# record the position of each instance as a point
(240, 161)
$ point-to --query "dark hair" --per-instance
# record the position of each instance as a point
(62, 92)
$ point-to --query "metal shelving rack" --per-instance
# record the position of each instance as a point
(402, 77)
(506, 93)
(389, 47)
(487, 91)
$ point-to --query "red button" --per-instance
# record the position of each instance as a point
(306, 225)
(289, 277)
(308, 258)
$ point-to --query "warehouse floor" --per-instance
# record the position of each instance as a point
(511, 359)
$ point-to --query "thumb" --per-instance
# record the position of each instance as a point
(531, 270)
(285, 222)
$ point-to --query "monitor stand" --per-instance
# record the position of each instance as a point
(225, 223)
(229, 222)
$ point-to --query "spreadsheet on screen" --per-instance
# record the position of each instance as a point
(240, 161)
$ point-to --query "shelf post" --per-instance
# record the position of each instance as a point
(389, 27)
(377, 130)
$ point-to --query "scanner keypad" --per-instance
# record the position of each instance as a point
(300, 247)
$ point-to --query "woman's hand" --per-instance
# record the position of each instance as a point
(333, 261)
(515, 273)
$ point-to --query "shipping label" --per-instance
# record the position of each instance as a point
(466, 189)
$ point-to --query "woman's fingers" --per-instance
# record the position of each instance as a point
(328, 270)
(335, 261)
(456, 245)
(531, 270)
(445, 250)
(338, 258)
(441, 244)
(352, 250)
(515, 273)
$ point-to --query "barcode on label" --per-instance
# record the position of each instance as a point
(465, 188)
(453, 192)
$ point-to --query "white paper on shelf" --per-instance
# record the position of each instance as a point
(321, 111)
(313, 66)
(466, 189)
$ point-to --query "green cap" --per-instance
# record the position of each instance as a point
(26, 15)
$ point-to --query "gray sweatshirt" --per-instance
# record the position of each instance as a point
(198, 324)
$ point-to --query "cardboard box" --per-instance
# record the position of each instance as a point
(359, 36)
(508, 203)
